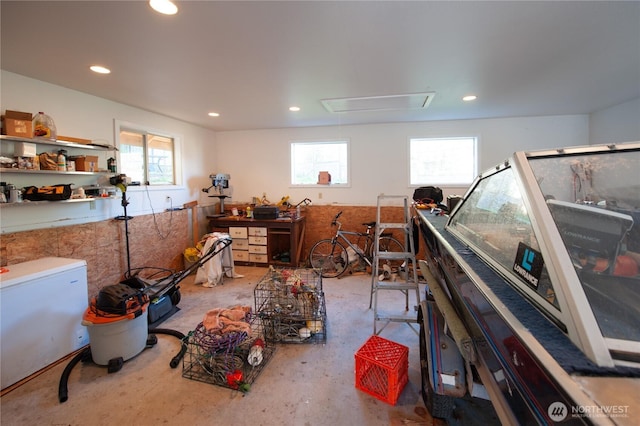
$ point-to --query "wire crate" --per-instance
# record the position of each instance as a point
(292, 306)
(214, 359)
(291, 280)
(382, 368)
(285, 328)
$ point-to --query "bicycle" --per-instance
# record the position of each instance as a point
(334, 256)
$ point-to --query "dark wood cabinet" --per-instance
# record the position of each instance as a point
(275, 242)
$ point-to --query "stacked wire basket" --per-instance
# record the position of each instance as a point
(291, 304)
(232, 360)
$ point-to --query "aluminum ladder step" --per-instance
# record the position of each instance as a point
(396, 255)
(381, 316)
(392, 285)
(393, 225)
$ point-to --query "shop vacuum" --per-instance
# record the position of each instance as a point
(122, 318)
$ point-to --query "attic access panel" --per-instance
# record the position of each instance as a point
(379, 103)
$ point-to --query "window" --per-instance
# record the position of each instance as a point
(442, 161)
(308, 159)
(146, 157)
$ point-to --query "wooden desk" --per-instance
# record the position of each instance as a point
(275, 242)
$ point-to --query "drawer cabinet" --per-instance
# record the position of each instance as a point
(262, 242)
(238, 232)
(240, 249)
(240, 245)
(258, 241)
(240, 255)
(249, 244)
(258, 258)
(258, 249)
(257, 231)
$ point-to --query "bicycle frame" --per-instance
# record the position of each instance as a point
(361, 252)
(339, 253)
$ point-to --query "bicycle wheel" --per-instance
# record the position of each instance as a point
(390, 244)
(329, 257)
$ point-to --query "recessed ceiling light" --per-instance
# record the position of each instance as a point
(469, 98)
(214, 114)
(100, 69)
(166, 7)
(294, 109)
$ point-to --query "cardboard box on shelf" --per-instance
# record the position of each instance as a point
(16, 123)
(324, 178)
(25, 149)
(85, 163)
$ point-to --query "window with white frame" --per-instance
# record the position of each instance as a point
(309, 158)
(443, 161)
(146, 157)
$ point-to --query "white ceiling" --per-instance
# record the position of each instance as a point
(250, 61)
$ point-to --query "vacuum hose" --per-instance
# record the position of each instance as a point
(175, 361)
(63, 391)
(85, 354)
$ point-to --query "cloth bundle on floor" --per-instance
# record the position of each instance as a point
(227, 320)
(222, 330)
(212, 272)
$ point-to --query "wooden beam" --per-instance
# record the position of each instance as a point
(193, 205)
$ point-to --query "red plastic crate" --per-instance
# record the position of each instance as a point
(382, 368)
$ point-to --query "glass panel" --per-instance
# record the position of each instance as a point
(442, 161)
(160, 160)
(494, 219)
(310, 158)
(595, 202)
(132, 155)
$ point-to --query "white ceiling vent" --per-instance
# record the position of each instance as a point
(379, 103)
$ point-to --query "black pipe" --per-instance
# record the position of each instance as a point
(63, 392)
(126, 218)
(85, 354)
(175, 361)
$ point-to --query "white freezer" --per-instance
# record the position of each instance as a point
(42, 305)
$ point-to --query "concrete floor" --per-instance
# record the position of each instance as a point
(303, 384)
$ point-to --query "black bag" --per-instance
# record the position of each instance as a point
(120, 299)
(47, 193)
(428, 194)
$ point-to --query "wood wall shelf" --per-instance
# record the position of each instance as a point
(71, 200)
(49, 172)
(97, 147)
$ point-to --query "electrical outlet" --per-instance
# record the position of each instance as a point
(82, 338)
(319, 195)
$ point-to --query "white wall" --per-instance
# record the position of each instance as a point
(619, 123)
(258, 161)
(80, 115)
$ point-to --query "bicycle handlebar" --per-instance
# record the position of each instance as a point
(335, 219)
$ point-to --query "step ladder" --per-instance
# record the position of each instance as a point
(383, 278)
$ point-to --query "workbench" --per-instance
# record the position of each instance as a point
(276, 242)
